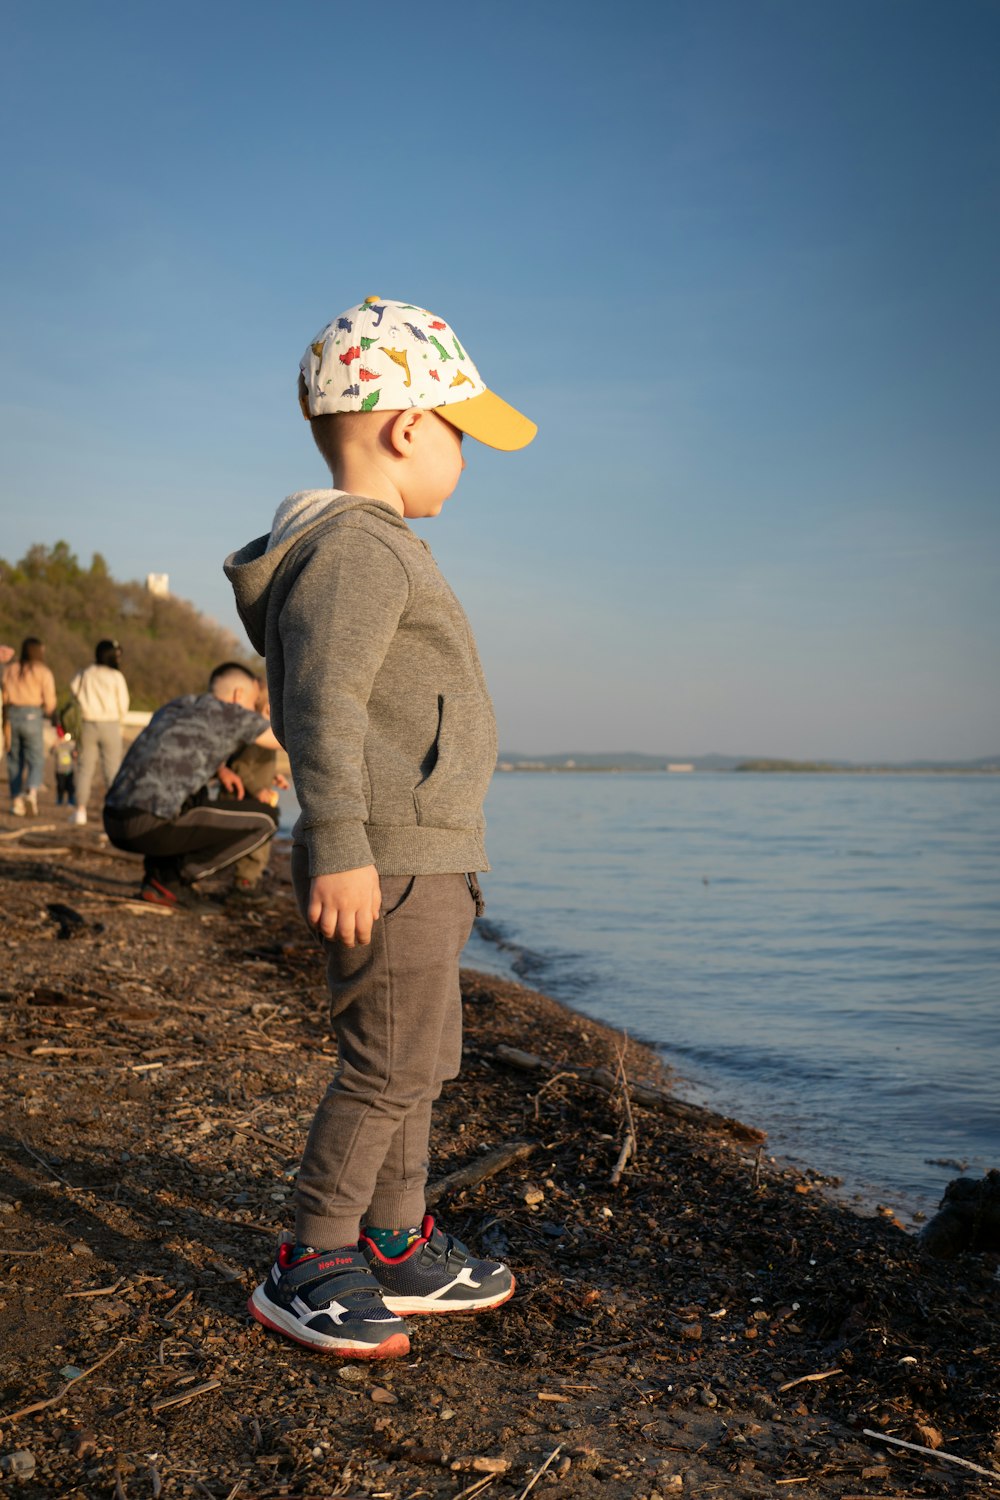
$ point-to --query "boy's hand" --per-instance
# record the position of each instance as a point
(231, 783)
(344, 907)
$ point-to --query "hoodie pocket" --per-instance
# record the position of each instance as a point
(451, 796)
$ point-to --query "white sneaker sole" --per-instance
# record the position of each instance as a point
(264, 1310)
(415, 1306)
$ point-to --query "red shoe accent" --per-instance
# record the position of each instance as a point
(426, 1230)
(394, 1347)
(158, 894)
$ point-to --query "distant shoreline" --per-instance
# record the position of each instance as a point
(763, 769)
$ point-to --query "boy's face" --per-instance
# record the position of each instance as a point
(433, 468)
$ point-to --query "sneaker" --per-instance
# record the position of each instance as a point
(438, 1275)
(246, 894)
(329, 1301)
(178, 897)
(17, 808)
(78, 817)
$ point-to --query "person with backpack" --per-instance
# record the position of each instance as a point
(102, 694)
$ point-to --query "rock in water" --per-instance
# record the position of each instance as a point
(969, 1218)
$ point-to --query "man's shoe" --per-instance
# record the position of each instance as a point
(247, 895)
(329, 1301)
(17, 808)
(178, 897)
(437, 1274)
(31, 802)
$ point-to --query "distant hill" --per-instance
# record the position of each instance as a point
(169, 646)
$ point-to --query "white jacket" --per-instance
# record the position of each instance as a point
(101, 693)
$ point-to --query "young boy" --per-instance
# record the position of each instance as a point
(379, 698)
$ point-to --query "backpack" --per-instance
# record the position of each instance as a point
(69, 718)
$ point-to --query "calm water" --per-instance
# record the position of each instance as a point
(819, 955)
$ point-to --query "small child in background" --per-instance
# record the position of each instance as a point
(64, 755)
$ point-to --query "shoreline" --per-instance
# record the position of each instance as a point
(841, 1186)
(712, 1325)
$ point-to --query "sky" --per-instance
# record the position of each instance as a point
(737, 258)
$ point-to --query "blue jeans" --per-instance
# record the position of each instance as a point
(26, 757)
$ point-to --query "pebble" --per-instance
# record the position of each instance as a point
(6, 1208)
(80, 1249)
(384, 1397)
(707, 1396)
(70, 1372)
(351, 1372)
(691, 1331)
(446, 1415)
(20, 1463)
(533, 1196)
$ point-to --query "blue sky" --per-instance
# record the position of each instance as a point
(737, 258)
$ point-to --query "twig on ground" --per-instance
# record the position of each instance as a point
(946, 1458)
(98, 1291)
(648, 1094)
(189, 1395)
(539, 1472)
(478, 1170)
(43, 1163)
(629, 1144)
(803, 1379)
(547, 1085)
(26, 1411)
(475, 1488)
(628, 1147)
(19, 833)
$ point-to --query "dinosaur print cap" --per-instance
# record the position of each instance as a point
(386, 356)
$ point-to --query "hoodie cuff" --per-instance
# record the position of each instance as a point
(335, 847)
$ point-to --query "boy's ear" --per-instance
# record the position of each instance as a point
(404, 429)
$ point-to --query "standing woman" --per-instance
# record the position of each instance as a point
(102, 694)
(29, 693)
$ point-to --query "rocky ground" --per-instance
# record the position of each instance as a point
(712, 1326)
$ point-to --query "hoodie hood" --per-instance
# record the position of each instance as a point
(251, 570)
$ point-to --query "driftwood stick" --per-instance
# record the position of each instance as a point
(805, 1379)
(188, 1395)
(630, 1143)
(947, 1458)
(26, 1411)
(478, 1170)
(647, 1094)
(628, 1146)
(539, 1472)
(19, 833)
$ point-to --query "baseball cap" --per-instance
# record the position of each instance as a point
(392, 355)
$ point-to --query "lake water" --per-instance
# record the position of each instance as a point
(817, 955)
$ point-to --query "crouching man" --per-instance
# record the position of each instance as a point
(159, 804)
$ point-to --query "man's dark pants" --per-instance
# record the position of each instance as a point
(202, 839)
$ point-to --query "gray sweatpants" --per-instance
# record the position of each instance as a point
(99, 740)
(396, 1011)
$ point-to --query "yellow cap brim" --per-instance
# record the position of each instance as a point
(490, 420)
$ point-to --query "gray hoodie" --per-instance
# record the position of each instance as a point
(376, 689)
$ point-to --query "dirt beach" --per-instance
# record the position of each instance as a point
(711, 1326)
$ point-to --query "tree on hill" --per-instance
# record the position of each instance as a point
(169, 646)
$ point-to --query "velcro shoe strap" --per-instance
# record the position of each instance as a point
(316, 1268)
(335, 1288)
